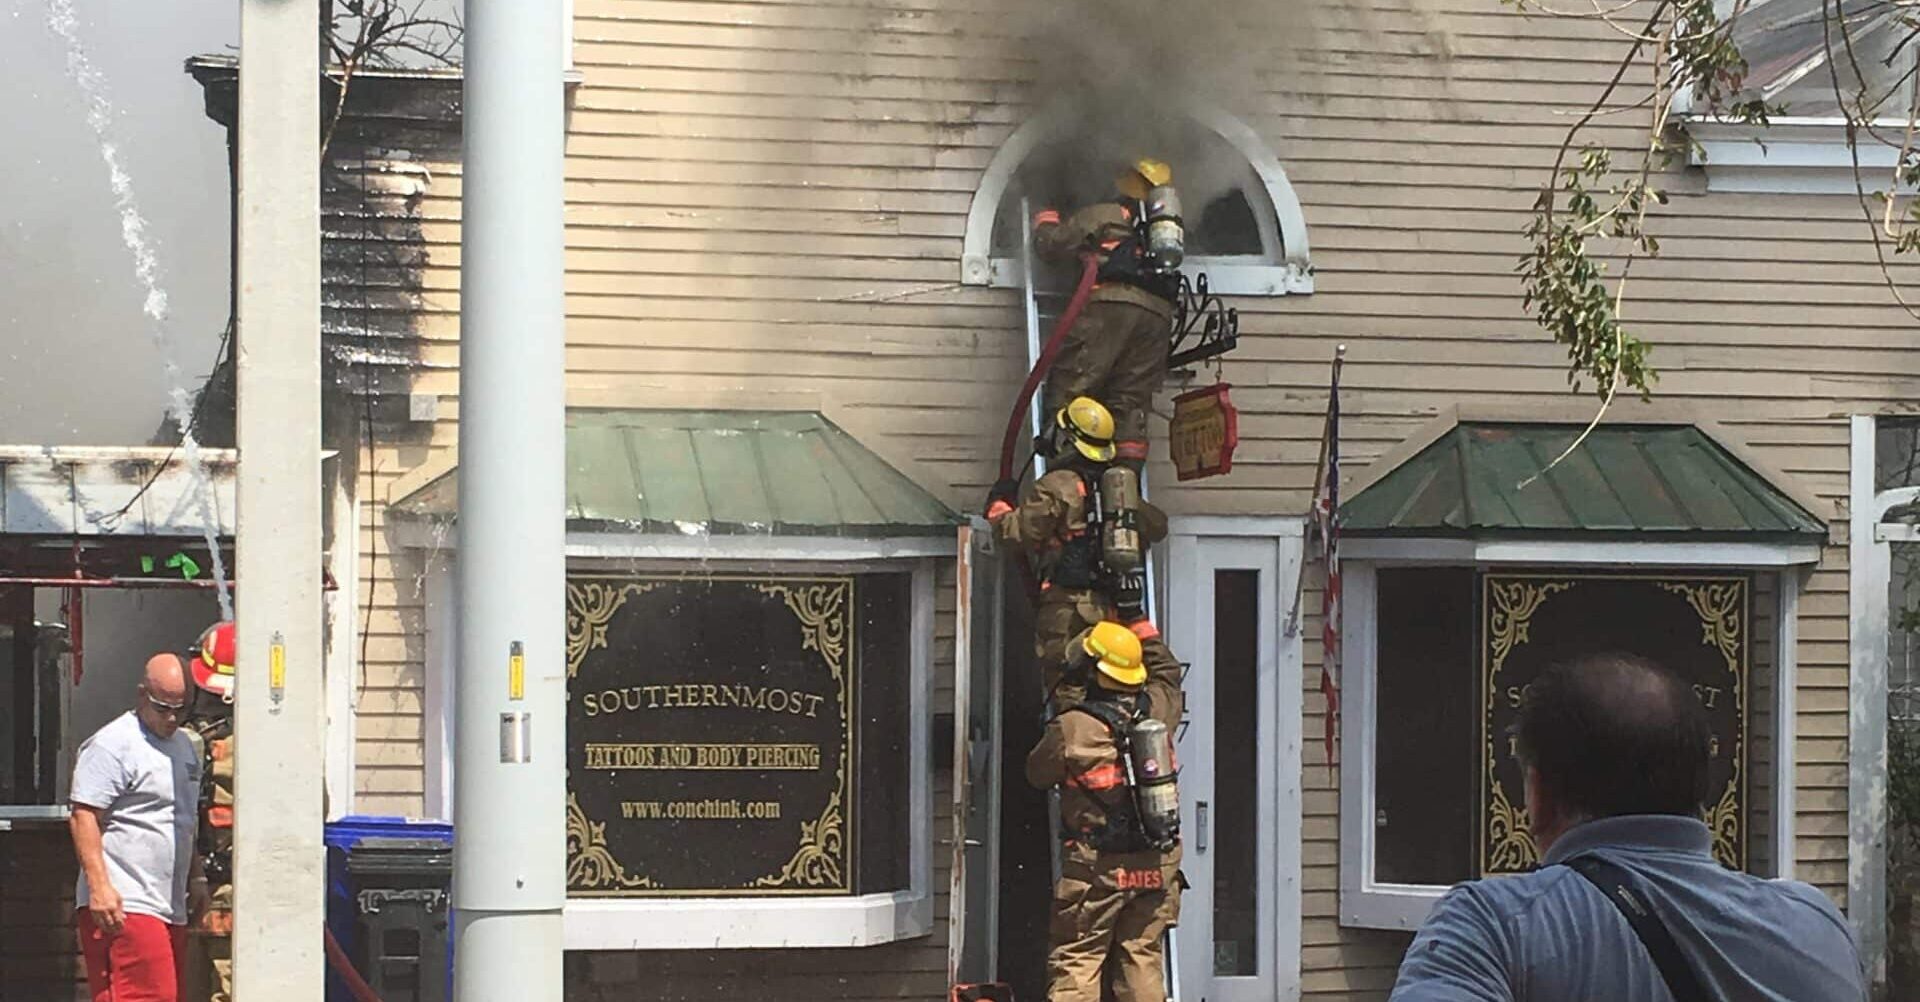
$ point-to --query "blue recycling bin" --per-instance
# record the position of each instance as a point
(394, 847)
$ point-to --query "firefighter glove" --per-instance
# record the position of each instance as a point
(1130, 597)
(1002, 496)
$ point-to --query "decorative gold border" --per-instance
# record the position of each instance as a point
(823, 861)
(1506, 842)
(589, 863)
(590, 607)
(1723, 605)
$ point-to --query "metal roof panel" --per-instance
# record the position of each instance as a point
(1666, 479)
(724, 472)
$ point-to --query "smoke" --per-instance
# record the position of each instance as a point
(1130, 74)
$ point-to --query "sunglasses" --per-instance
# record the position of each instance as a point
(169, 709)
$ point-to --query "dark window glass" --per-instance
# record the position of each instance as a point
(883, 779)
(1226, 227)
(1426, 793)
(1896, 453)
(1236, 743)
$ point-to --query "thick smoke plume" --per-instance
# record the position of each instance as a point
(1131, 73)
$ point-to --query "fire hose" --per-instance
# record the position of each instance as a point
(1090, 270)
(337, 959)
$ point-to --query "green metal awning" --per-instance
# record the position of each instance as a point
(724, 473)
(1665, 481)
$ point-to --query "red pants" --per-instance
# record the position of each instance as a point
(142, 964)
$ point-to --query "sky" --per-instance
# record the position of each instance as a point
(79, 364)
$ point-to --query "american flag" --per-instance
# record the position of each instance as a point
(1325, 519)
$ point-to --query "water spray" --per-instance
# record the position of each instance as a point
(62, 20)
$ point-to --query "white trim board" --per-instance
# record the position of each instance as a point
(1798, 156)
(1276, 526)
(1396, 549)
(343, 628)
(427, 534)
(1869, 572)
(1786, 708)
(746, 924)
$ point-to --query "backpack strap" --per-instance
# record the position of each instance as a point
(1619, 886)
(1114, 717)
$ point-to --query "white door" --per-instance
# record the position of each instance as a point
(1229, 584)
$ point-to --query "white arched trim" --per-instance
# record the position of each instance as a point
(1234, 276)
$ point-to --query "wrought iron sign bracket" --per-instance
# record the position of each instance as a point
(1204, 326)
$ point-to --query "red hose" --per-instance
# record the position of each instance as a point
(1089, 271)
(362, 992)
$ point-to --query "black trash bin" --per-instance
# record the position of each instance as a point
(401, 889)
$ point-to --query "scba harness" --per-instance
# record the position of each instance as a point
(1109, 555)
(1133, 262)
(1146, 816)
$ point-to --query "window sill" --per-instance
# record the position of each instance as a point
(1398, 907)
(1226, 276)
(746, 923)
(27, 816)
(1800, 156)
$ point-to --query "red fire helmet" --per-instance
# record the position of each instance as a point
(213, 657)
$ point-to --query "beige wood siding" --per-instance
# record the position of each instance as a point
(765, 208)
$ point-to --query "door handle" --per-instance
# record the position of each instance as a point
(1200, 823)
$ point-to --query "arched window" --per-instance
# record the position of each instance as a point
(1245, 229)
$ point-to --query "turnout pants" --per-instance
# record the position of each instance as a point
(1116, 353)
(1110, 916)
(209, 975)
(1062, 615)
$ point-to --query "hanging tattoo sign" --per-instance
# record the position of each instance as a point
(1696, 626)
(1204, 433)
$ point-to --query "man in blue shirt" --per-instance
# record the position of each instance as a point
(1616, 751)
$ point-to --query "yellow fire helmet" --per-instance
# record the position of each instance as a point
(1115, 651)
(1088, 422)
(1143, 176)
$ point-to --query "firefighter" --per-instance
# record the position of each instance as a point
(1117, 349)
(1119, 886)
(212, 663)
(1079, 586)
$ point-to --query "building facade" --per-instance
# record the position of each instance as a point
(796, 321)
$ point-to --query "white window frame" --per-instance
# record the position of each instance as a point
(1275, 206)
(729, 923)
(1371, 904)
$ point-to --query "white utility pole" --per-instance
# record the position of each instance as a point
(279, 717)
(509, 880)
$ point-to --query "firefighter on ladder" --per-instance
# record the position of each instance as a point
(1119, 883)
(1087, 529)
(1117, 350)
(211, 663)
